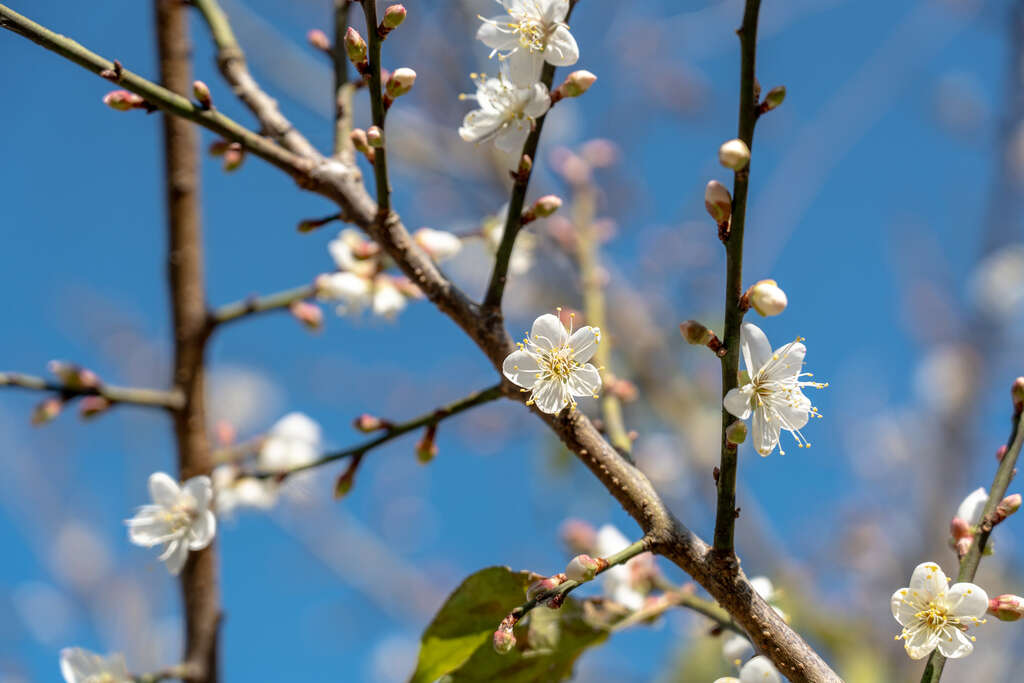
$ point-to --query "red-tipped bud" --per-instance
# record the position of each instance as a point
(622, 389)
(307, 313)
(122, 100)
(47, 411)
(92, 406)
(367, 423)
(400, 82)
(583, 568)
(734, 154)
(504, 641)
(394, 15)
(233, 157)
(1007, 506)
(374, 136)
(1006, 607)
(774, 98)
(319, 40)
(718, 202)
(695, 333)
(355, 46)
(202, 94)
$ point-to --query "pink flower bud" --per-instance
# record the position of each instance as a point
(400, 82)
(767, 298)
(579, 536)
(307, 313)
(960, 528)
(546, 205)
(582, 568)
(394, 15)
(319, 40)
(92, 406)
(374, 136)
(1006, 507)
(695, 333)
(233, 157)
(718, 202)
(1006, 607)
(538, 588)
(1001, 453)
(734, 154)
(504, 641)
(355, 46)
(575, 84)
(225, 433)
(202, 94)
(367, 423)
(122, 100)
(623, 389)
(47, 411)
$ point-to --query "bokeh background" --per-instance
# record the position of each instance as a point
(886, 200)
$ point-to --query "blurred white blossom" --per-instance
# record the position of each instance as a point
(618, 580)
(972, 506)
(439, 244)
(493, 229)
(179, 518)
(997, 284)
(78, 665)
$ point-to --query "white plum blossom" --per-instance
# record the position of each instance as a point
(757, 670)
(233, 491)
(934, 614)
(972, 506)
(736, 649)
(506, 113)
(617, 581)
(352, 253)
(774, 393)
(78, 665)
(439, 244)
(293, 441)
(387, 300)
(530, 33)
(179, 518)
(351, 291)
(552, 364)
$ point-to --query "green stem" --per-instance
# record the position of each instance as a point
(263, 304)
(141, 397)
(377, 111)
(343, 89)
(394, 431)
(725, 514)
(969, 562)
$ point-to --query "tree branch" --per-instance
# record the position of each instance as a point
(155, 398)
(199, 583)
(682, 598)
(725, 514)
(377, 111)
(343, 89)
(254, 305)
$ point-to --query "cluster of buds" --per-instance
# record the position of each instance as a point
(308, 313)
(584, 567)
(232, 153)
(542, 208)
(393, 17)
(765, 297)
(122, 100)
(426, 448)
(202, 94)
(1006, 607)
(734, 154)
(697, 334)
(540, 588)
(574, 85)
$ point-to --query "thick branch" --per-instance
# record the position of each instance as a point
(253, 305)
(156, 398)
(188, 308)
(725, 515)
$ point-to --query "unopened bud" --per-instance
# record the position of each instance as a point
(218, 147)
(374, 137)
(1001, 453)
(718, 202)
(319, 40)
(400, 82)
(360, 140)
(307, 313)
(960, 528)
(1006, 607)
(734, 154)
(355, 46)
(579, 536)
(426, 448)
(233, 157)
(736, 433)
(582, 568)
(504, 641)
(575, 84)
(73, 376)
(202, 94)
(623, 389)
(394, 15)
(525, 165)
(439, 244)
(91, 406)
(1007, 506)
(774, 98)
(767, 298)
(47, 411)
(367, 423)
(344, 483)
(695, 333)
(122, 100)
(546, 205)
(1018, 392)
(539, 588)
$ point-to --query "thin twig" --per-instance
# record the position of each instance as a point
(254, 305)
(343, 89)
(156, 398)
(682, 598)
(725, 514)
(377, 110)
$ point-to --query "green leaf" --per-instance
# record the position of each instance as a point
(456, 647)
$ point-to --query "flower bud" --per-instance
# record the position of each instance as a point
(504, 641)
(218, 147)
(538, 588)
(575, 84)
(546, 205)
(582, 568)
(718, 202)
(439, 244)
(734, 154)
(394, 15)
(355, 46)
(622, 389)
(374, 136)
(767, 298)
(91, 406)
(344, 483)
(736, 433)
(525, 165)
(960, 528)
(400, 82)
(73, 376)
(579, 536)
(233, 157)
(1001, 453)
(319, 40)
(426, 448)
(122, 100)
(202, 94)
(1018, 391)
(1006, 507)
(367, 423)
(47, 411)
(1006, 607)
(695, 333)
(774, 98)
(309, 314)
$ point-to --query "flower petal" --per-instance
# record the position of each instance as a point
(479, 125)
(548, 332)
(555, 11)
(902, 609)
(967, 600)
(789, 363)
(163, 489)
(795, 415)
(759, 670)
(524, 67)
(511, 138)
(175, 556)
(756, 348)
(585, 381)
(550, 396)
(149, 527)
(953, 643)
(921, 644)
(583, 343)
(200, 488)
(539, 103)
(203, 529)
(495, 34)
(521, 369)
(927, 582)
(766, 432)
(737, 401)
(972, 506)
(561, 48)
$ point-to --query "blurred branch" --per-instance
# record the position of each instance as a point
(969, 562)
(156, 398)
(199, 581)
(231, 61)
(253, 305)
(725, 514)
(377, 111)
(181, 671)
(343, 90)
(681, 598)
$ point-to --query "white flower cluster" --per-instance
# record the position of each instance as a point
(530, 33)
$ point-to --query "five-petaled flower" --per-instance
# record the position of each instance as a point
(530, 33)
(506, 114)
(552, 363)
(179, 518)
(935, 614)
(78, 665)
(774, 393)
